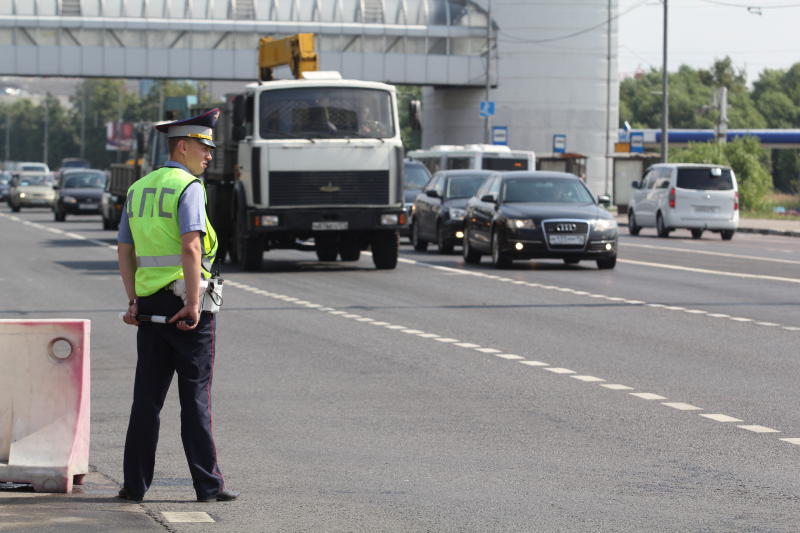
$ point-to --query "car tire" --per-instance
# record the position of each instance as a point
(571, 261)
(445, 247)
(419, 244)
(661, 229)
(15, 208)
(697, 233)
(59, 215)
(726, 234)
(500, 259)
(470, 256)
(607, 263)
(106, 223)
(633, 229)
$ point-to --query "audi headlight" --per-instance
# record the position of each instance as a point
(520, 223)
(22, 195)
(70, 200)
(604, 224)
(457, 214)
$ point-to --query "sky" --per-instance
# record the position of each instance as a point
(700, 31)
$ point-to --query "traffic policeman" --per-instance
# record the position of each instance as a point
(165, 243)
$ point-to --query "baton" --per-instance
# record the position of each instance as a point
(158, 319)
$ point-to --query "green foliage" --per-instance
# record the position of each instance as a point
(745, 156)
(412, 139)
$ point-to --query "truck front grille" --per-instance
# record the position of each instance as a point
(329, 188)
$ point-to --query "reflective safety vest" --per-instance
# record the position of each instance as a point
(152, 209)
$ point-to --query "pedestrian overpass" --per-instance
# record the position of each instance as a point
(424, 42)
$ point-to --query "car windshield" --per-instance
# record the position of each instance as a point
(90, 180)
(326, 112)
(415, 177)
(25, 181)
(463, 186)
(704, 179)
(74, 163)
(545, 190)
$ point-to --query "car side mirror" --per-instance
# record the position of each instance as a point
(489, 198)
(635, 184)
(431, 193)
(604, 200)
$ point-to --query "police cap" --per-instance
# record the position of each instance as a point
(200, 127)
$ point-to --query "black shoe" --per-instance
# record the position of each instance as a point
(222, 496)
(123, 494)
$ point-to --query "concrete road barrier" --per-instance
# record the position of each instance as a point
(44, 402)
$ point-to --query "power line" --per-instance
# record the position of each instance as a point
(574, 34)
(753, 8)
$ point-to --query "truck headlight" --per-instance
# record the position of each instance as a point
(604, 224)
(520, 223)
(267, 221)
(389, 219)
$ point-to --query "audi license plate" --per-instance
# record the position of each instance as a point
(573, 240)
(329, 225)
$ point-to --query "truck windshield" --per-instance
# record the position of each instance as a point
(326, 112)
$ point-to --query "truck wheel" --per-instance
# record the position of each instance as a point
(385, 245)
(326, 247)
(106, 223)
(349, 248)
(251, 253)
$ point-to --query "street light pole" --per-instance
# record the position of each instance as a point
(664, 95)
(487, 118)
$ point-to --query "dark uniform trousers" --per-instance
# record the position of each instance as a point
(163, 349)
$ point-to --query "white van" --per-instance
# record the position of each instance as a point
(474, 156)
(685, 195)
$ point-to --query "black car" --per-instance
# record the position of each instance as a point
(539, 214)
(78, 192)
(5, 184)
(415, 176)
(439, 210)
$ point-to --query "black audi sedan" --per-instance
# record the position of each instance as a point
(78, 192)
(538, 214)
(438, 213)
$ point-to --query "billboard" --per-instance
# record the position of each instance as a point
(120, 136)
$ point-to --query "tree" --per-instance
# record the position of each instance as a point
(412, 139)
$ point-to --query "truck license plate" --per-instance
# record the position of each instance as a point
(329, 225)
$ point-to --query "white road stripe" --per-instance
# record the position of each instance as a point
(759, 429)
(588, 379)
(428, 335)
(717, 254)
(488, 350)
(412, 331)
(395, 326)
(532, 363)
(720, 417)
(512, 357)
(647, 396)
(712, 272)
(467, 345)
(615, 386)
(558, 370)
(793, 440)
(186, 516)
(680, 406)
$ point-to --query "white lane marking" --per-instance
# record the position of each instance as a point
(511, 357)
(712, 272)
(718, 254)
(615, 386)
(741, 319)
(533, 363)
(349, 315)
(379, 323)
(793, 440)
(647, 396)
(445, 339)
(720, 417)
(719, 315)
(412, 331)
(365, 319)
(680, 406)
(558, 370)
(333, 312)
(759, 429)
(186, 516)
(467, 345)
(768, 324)
(488, 350)
(588, 379)
(428, 335)
(395, 326)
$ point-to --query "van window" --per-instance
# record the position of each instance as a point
(456, 163)
(650, 179)
(504, 163)
(703, 179)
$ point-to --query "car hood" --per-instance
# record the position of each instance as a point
(83, 193)
(36, 189)
(543, 211)
(409, 195)
(458, 203)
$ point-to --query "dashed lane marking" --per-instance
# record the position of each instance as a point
(793, 440)
(514, 357)
(615, 386)
(559, 370)
(534, 363)
(647, 396)
(717, 254)
(680, 406)
(721, 418)
(759, 429)
(588, 379)
(707, 271)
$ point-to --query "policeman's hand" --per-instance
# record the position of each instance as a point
(130, 315)
(190, 316)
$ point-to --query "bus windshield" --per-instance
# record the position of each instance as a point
(326, 112)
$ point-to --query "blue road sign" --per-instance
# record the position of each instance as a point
(559, 143)
(500, 135)
(637, 142)
(487, 109)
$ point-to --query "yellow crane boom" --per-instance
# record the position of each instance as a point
(297, 51)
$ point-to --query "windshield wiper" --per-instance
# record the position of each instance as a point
(290, 134)
(362, 136)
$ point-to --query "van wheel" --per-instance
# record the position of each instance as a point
(661, 229)
(697, 233)
(633, 229)
(726, 234)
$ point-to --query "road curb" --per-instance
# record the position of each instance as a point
(763, 231)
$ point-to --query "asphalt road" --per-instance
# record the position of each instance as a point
(445, 397)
